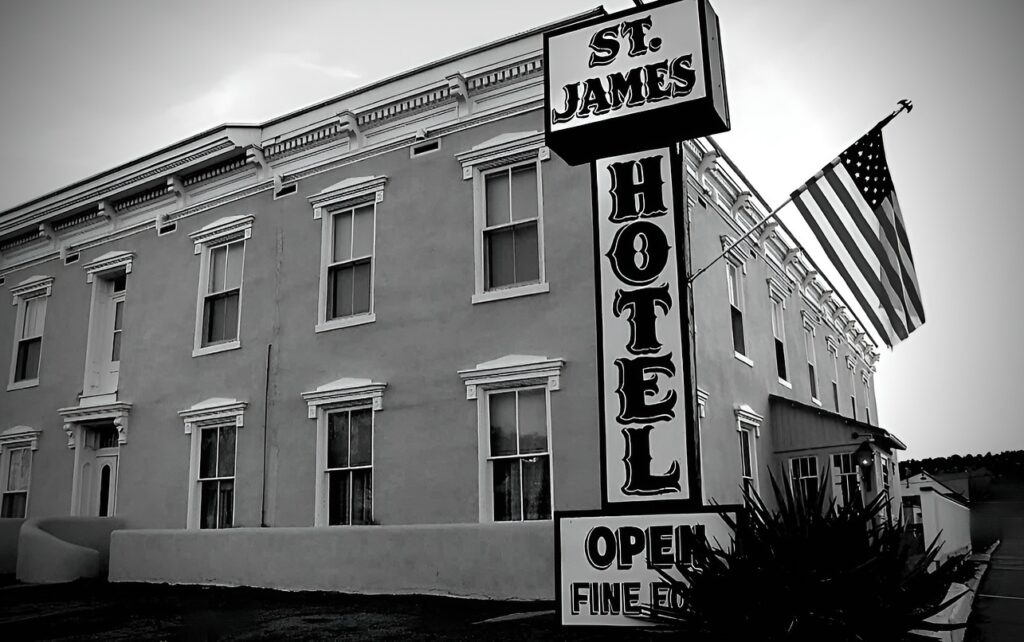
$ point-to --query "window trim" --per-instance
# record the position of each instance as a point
(511, 372)
(341, 394)
(836, 475)
(739, 269)
(810, 332)
(350, 193)
(777, 295)
(34, 287)
(749, 421)
(505, 151)
(18, 438)
(213, 412)
(796, 479)
(219, 233)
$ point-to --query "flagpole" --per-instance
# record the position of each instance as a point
(746, 235)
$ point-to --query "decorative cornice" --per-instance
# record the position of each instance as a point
(344, 392)
(214, 411)
(224, 230)
(224, 199)
(505, 75)
(745, 415)
(349, 191)
(20, 436)
(109, 261)
(33, 286)
(224, 167)
(117, 411)
(514, 370)
(502, 150)
(702, 401)
(832, 343)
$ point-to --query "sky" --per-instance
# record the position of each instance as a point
(89, 84)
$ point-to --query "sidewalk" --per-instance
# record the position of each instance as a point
(999, 607)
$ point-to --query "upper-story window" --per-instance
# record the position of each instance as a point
(734, 283)
(812, 357)
(508, 215)
(218, 315)
(108, 275)
(348, 211)
(779, 339)
(833, 353)
(30, 297)
(853, 386)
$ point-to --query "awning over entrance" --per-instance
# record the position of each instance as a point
(798, 426)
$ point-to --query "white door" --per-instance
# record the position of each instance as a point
(104, 484)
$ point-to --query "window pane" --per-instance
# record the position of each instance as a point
(738, 343)
(780, 359)
(208, 504)
(337, 499)
(208, 453)
(835, 395)
(507, 498)
(337, 440)
(218, 264)
(524, 192)
(814, 380)
(362, 496)
(19, 469)
(220, 317)
(33, 326)
(361, 288)
(527, 253)
(496, 186)
(233, 276)
(14, 505)
(115, 350)
(730, 274)
(362, 438)
(118, 312)
(230, 331)
(342, 237)
(118, 282)
(27, 366)
(536, 488)
(362, 233)
(226, 452)
(500, 249)
(340, 291)
(503, 423)
(745, 463)
(225, 514)
(533, 421)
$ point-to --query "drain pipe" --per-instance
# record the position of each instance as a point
(266, 415)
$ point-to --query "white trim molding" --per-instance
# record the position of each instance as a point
(223, 230)
(19, 436)
(810, 322)
(213, 411)
(503, 149)
(745, 416)
(513, 371)
(351, 191)
(107, 263)
(32, 287)
(702, 402)
(118, 411)
(344, 392)
(778, 290)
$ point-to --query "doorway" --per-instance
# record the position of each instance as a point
(97, 470)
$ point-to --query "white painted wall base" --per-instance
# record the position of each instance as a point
(499, 561)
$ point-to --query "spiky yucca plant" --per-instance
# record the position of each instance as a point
(809, 571)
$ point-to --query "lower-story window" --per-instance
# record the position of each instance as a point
(349, 468)
(217, 477)
(18, 471)
(519, 460)
(846, 480)
(804, 473)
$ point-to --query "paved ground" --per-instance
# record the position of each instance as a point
(99, 611)
(999, 607)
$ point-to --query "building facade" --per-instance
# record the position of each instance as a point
(381, 310)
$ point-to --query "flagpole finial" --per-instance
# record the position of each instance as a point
(905, 104)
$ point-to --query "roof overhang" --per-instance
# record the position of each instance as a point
(879, 435)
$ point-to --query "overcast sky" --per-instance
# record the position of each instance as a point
(90, 84)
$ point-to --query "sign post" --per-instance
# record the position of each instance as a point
(621, 93)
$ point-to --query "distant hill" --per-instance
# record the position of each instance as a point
(1007, 463)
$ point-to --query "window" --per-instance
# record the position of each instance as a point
(222, 245)
(735, 282)
(520, 467)
(846, 480)
(350, 268)
(812, 363)
(108, 275)
(804, 473)
(886, 487)
(513, 397)
(30, 296)
(213, 425)
(349, 468)
(833, 352)
(16, 447)
(779, 336)
(853, 388)
(348, 212)
(217, 476)
(508, 215)
(346, 411)
(748, 423)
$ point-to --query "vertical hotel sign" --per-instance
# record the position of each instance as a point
(642, 315)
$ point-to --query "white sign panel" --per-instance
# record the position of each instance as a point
(607, 564)
(643, 313)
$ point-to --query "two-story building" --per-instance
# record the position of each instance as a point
(379, 310)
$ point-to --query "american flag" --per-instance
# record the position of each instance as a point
(851, 207)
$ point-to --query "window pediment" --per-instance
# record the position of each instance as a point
(108, 262)
(33, 286)
(747, 417)
(117, 411)
(225, 229)
(20, 436)
(513, 370)
(214, 411)
(502, 150)
(342, 392)
(350, 191)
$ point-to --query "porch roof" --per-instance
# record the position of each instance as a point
(787, 412)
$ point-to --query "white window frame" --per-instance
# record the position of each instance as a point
(220, 233)
(833, 350)
(12, 439)
(852, 367)
(796, 476)
(343, 394)
(777, 295)
(504, 152)
(749, 422)
(103, 310)
(837, 475)
(509, 373)
(734, 272)
(350, 193)
(34, 288)
(812, 357)
(213, 412)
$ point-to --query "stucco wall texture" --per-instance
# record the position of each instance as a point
(426, 330)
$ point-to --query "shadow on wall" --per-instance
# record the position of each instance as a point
(63, 549)
(9, 528)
